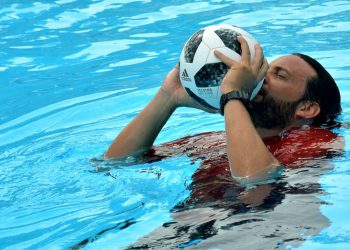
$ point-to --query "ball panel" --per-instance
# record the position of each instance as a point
(185, 77)
(200, 59)
(250, 40)
(229, 38)
(237, 29)
(214, 102)
(210, 75)
(256, 89)
(188, 70)
(192, 46)
(198, 99)
(230, 53)
(208, 94)
(211, 39)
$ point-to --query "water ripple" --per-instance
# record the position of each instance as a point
(16, 10)
(74, 73)
(54, 117)
(68, 18)
(105, 48)
(166, 13)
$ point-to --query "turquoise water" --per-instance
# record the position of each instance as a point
(73, 73)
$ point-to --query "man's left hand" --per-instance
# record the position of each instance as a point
(246, 74)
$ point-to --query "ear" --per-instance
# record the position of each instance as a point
(307, 110)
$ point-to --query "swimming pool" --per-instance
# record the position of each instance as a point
(74, 73)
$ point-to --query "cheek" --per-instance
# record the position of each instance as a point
(284, 92)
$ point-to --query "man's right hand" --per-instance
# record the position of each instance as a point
(138, 136)
(172, 87)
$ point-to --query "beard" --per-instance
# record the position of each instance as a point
(270, 113)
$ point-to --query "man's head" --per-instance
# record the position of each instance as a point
(297, 90)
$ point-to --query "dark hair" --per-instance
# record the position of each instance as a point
(323, 90)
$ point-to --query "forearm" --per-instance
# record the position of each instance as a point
(138, 136)
(246, 151)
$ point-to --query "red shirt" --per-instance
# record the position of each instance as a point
(291, 148)
(213, 180)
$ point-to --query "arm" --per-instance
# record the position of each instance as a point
(247, 153)
(138, 136)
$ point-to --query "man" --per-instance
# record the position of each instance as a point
(279, 127)
(297, 91)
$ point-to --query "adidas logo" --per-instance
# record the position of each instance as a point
(185, 76)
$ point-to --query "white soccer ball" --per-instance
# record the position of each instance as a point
(201, 72)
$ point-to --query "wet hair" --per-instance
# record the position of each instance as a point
(323, 90)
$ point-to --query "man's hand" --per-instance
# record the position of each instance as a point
(172, 87)
(138, 136)
(243, 75)
(248, 156)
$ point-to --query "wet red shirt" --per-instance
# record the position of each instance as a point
(212, 181)
(291, 148)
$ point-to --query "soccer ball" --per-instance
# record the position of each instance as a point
(201, 72)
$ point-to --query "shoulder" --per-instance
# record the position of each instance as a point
(297, 145)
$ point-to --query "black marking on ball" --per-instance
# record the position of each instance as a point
(210, 75)
(192, 46)
(198, 99)
(229, 38)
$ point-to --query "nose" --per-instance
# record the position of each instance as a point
(265, 85)
(267, 78)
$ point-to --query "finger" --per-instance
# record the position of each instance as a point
(176, 68)
(263, 70)
(225, 59)
(258, 59)
(245, 58)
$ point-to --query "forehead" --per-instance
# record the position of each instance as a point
(294, 65)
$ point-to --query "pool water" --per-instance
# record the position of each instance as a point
(74, 73)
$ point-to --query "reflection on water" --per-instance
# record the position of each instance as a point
(220, 214)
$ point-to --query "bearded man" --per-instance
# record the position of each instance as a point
(297, 93)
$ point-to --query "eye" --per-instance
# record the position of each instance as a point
(282, 77)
